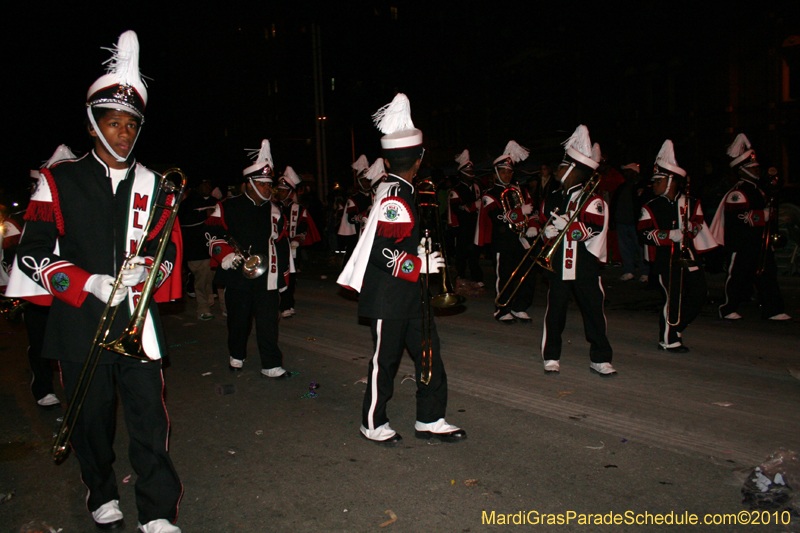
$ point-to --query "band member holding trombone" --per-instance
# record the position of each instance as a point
(671, 225)
(742, 225)
(248, 238)
(84, 218)
(507, 223)
(388, 266)
(575, 224)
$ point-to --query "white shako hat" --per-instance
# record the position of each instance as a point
(262, 169)
(62, 153)
(741, 153)
(394, 121)
(290, 180)
(579, 148)
(514, 153)
(376, 171)
(464, 162)
(666, 163)
(122, 87)
(361, 165)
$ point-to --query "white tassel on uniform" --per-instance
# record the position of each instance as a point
(124, 61)
(580, 141)
(262, 155)
(517, 152)
(394, 116)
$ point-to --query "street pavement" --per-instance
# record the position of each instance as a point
(670, 434)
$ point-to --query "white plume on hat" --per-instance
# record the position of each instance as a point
(361, 164)
(262, 157)
(579, 147)
(394, 121)
(376, 171)
(666, 159)
(123, 68)
(291, 178)
(463, 159)
(513, 152)
(740, 150)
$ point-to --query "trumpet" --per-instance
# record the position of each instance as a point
(682, 260)
(130, 343)
(252, 265)
(511, 200)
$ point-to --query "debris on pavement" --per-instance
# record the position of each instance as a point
(602, 445)
(723, 404)
(312, 391)
(362, 380)
(206, 374)
(5, 497)
(37, 526)
(771, 486)
(392, 518)
(407, 377)
(578, 417)
(127, 478)
(471, 482)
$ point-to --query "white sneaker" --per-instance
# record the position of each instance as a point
(276, 372)
(49, 400)
(644, 278)
(439, 430)
(288, 313)
(108, 516)
(521, 315)
(159, 526)
(733, 316)
(626, 277)
(552, 366)
(236, 363)
(604, 369)
(782, 316)
(507, 318)
(383, 433)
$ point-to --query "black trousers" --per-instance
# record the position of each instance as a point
(590, 297)
(141, 391)
(692, 299)
(391, 337)
(506, 261)
(35, 317)
(245, 305)
(742, 276)
(467, 254)
(287, 296)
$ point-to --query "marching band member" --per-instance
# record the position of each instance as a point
(739, 225)
(661, 227)
(576, 265)
(258, 225)
(386, 267)
(81, 221)
(302, 230)
(375, 174)
(508, 232)
(464, 204)
(356, 208)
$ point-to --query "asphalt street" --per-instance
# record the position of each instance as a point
(670, 434)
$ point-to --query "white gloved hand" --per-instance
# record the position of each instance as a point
(136, 272)
(295, 244)
(422, 247)
(559, 221)
(550, 231)
(434, 263)
(231, 261)
(101, 286)
(532, 232)
(527, 209)
(675, 235)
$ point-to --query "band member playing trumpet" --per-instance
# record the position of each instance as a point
(672, 227)
(90, 210)
(507, 222)
(583, 221)
(388, 267)
(258, 228)
(740, 225)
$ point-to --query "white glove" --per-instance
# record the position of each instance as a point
(532, 232)
(295, 244)
(527, 209)
(559, 221)
(675, 235)
(422, 247)
(231, 261)
(101, 286)
(433, 264)
(550, 231)
(136, 273)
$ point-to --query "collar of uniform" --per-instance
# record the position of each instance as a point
(572, 189)
(749, 180)
(106, 167)
(251, 199)
(402, 181)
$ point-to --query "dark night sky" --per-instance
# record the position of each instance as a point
(477, 73)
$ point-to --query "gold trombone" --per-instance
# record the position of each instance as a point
(682, 260)
(130, 342)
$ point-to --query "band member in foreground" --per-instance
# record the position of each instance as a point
(356, 208)
(301, 227)
(576, 263)
(258, 225)
(386, 267)
(662, 229)
(464, 205)
(509, 229)
(92, 209)
(739, 225)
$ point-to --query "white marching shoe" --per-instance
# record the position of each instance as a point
(439, 430)
(604, 369)
(159, 526)
(382, 435)
(108, 517)
(552, 366)
(782, 316)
